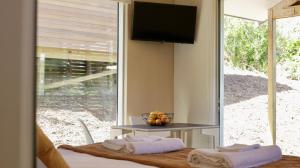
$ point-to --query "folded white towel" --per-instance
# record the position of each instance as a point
(119, 144)
(238, 148)
(115, 144)
(151, 138)
(207, 158)
(247, 159)
(160, 146)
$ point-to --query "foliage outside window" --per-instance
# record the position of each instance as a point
(246, 47)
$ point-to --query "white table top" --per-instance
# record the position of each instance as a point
(170, 127)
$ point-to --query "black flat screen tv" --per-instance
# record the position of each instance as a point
(164, 22)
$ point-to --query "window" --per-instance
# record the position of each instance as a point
(77, 68)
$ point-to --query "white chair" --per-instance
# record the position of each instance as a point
(88, 136)
(136, 120)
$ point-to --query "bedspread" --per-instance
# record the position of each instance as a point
(175, 159)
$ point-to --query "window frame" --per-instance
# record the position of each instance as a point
(121, 67)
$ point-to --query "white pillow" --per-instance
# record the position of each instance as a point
(40, 164)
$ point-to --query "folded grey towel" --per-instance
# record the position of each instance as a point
(200, 158)
(238, 148)
(161, 146)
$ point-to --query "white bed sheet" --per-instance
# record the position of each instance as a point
(80, 160)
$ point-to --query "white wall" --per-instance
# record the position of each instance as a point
(16, 86)
(150, 68)
(195, 69)
(149, 72)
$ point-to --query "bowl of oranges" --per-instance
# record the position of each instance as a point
(157, 118)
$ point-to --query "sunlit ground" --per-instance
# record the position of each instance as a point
(246, 121)
(63, 127)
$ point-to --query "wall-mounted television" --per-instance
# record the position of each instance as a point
(164, 22)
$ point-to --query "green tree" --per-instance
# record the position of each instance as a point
(246, 45)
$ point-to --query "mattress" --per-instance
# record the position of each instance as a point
(80, 160)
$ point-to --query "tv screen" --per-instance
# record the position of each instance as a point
(164, 22)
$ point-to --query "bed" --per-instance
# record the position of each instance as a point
(76, 157)
(81, 160)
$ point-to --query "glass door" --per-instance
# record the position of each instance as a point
(288, 85)
(245, 82)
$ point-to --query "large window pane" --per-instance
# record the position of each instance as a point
(246, 82)
(76, 68)
(288, 75)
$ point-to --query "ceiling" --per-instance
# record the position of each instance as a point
(92, 24)
(249, 9)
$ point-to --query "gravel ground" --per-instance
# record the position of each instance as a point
(245, 112)
(63, 127)
(94, 102)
